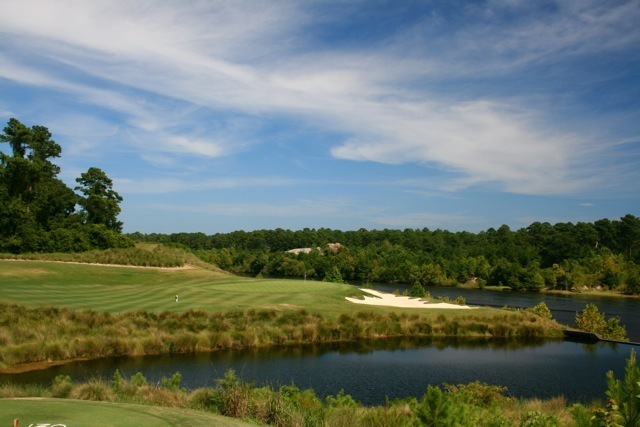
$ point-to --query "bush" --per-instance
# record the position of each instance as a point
(139, 380)
(61, 386)
(591, 320)
(342, 400)
(417, 290)
(235, 395)
(538, 419)
(206, 399)
(172, 383)
(541, 310)
(442, 409)
(94, 389)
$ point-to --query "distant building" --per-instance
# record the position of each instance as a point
(333, 247)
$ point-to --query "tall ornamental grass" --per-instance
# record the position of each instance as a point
(45, 334)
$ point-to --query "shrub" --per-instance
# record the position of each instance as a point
(541, 310)
(417, 290)
(460, 300)
(61, 386)
(441, 409)
(94, 389)
(235, 395)
(172, 383)
(139, 380)
(206, 399)
(591, 320)
(341, 400)
(478, 393)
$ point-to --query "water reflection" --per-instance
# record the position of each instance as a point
(373, 370)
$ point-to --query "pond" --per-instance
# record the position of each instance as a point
(372, 371)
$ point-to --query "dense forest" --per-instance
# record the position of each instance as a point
(39, 212)
(604, 254)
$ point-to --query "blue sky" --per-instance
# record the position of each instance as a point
(241, 115)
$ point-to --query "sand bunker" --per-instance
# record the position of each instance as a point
(390, 300)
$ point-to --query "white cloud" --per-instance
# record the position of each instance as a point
(168, 68)
(484, 142)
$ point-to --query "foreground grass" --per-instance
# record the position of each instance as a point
(85, 413)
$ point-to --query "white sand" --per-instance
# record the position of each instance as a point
(390, 300)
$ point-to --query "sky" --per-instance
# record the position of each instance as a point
(215, 116)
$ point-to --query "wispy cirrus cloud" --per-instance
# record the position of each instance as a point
(168, 69)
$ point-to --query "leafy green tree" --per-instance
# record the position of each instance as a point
(623, 404)
(591, 320)
(629, 235)
(417, 290)
(100, 203)
(541, 310)
(37, 210)
(334, 276)
(31, 195)
(626, 393)
(533, 280)
(633, 281)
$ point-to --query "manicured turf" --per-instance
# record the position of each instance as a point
(118, 289)
(72, 413)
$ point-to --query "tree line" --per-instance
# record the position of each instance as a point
(39, 212)
(564, 256)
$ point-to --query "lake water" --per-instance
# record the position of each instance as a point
(371, 371)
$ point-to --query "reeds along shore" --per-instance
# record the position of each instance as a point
(48, 334)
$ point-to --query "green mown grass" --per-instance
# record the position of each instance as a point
(101, 414)
(120, 289)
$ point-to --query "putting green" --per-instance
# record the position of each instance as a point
(75, 413)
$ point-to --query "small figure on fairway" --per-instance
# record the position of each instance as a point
(176, 297)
